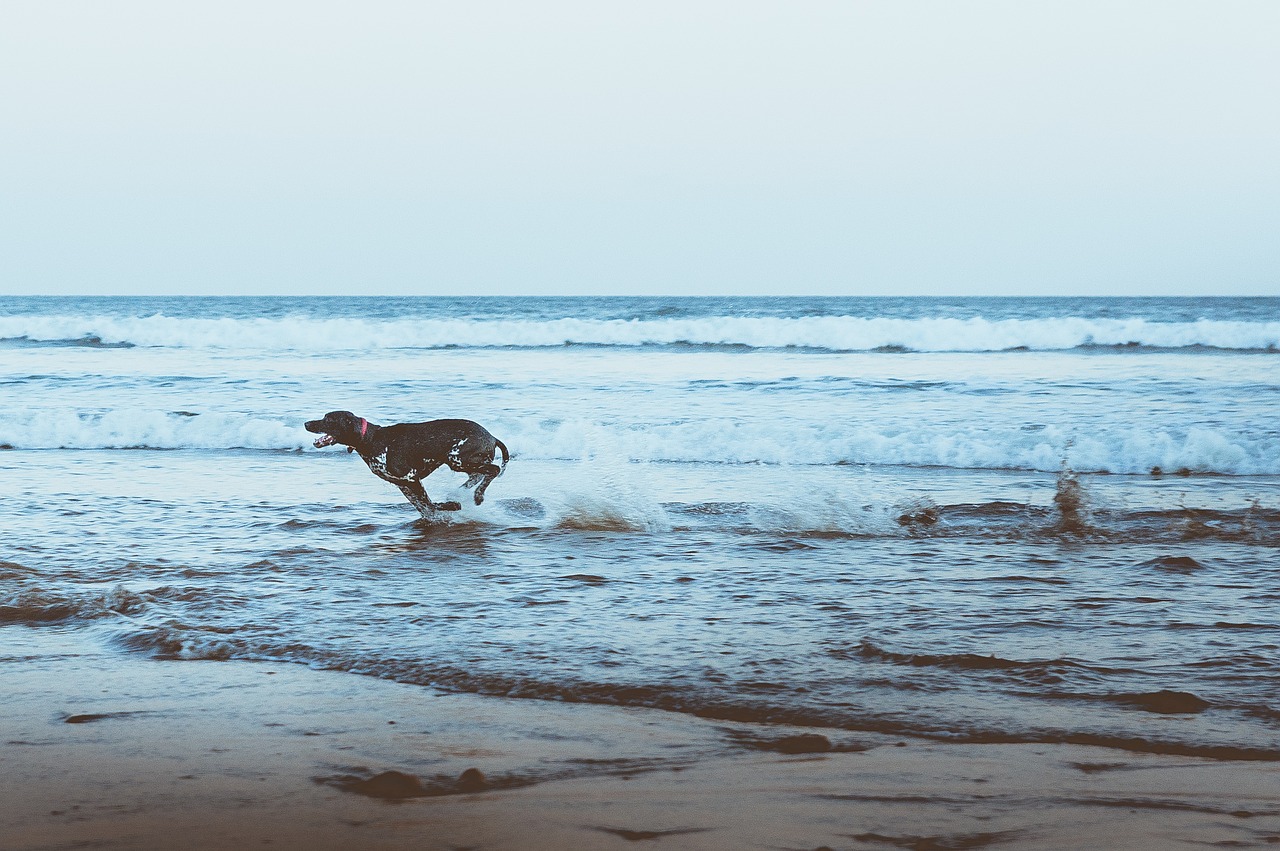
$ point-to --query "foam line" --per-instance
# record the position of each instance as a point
(828, 333)
(1113, 449)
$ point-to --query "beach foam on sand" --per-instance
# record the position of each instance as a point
(105, 750)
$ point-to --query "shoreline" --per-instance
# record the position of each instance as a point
(105, 749)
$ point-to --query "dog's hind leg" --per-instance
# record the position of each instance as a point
(484, 477)
(478, 466)
(480, 476)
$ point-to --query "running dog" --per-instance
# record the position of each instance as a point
(406, 453)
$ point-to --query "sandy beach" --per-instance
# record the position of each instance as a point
(106, 751)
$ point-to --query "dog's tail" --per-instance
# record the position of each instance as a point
(506, 456)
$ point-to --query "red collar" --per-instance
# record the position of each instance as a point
(364, 426)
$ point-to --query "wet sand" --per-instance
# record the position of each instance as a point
(105, 750)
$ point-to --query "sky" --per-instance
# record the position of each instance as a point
(719, 148)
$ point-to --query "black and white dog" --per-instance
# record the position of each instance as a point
(406, 453)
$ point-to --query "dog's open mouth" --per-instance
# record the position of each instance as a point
(324, 440)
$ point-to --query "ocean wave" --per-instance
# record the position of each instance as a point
(823, 333)
(27, 604)
(141, 429)
(782, 523)
(1047, 670)
(783, 706)
(1107, 449)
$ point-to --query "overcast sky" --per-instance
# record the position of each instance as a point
(633, 148)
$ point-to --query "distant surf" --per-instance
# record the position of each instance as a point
(810, 333)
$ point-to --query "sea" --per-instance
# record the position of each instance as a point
(964, 519)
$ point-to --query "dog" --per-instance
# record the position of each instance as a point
(406, 453)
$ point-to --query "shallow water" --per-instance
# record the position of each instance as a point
(752, 515)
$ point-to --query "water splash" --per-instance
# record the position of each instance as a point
(1071, 501)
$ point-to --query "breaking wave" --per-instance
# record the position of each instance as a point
(1109, 449)
(822, 333)
(140, 429)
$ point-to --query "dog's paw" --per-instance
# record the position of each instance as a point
(448, 506)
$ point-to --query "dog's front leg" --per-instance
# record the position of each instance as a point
(417, 496)
(419, 500)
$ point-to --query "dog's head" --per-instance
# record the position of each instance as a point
(338, 427)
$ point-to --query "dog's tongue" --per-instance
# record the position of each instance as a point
(324, 440)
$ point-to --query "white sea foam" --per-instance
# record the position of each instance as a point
(834, 333)
(143, 429)
(1108, 448)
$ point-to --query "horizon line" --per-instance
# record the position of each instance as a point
(635, 295)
